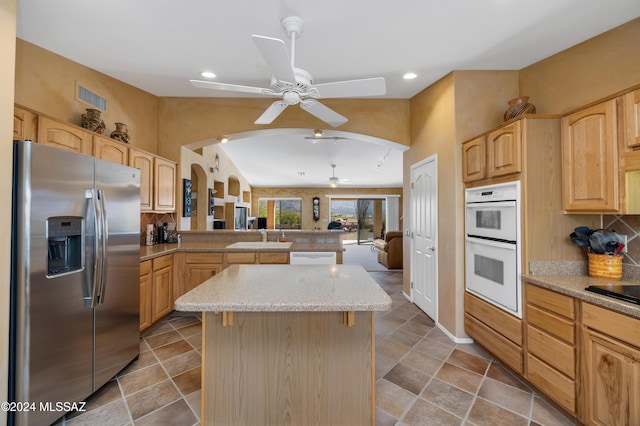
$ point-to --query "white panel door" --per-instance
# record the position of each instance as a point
(424, 257)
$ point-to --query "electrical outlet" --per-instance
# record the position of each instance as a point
(624, 241)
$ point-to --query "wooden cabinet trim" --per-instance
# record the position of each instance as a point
(243, 257)
(614, 324)
(552, 301)
(275, 258)
(552, 351)
(500, 321)
(559, 387)
(501, 347)
(557, 326)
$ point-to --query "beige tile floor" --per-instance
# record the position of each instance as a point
(422, 377)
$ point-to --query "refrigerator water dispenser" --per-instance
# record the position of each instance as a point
(65, 243)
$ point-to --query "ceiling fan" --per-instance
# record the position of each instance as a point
(318, 135)
(334, 180)
(295, 85)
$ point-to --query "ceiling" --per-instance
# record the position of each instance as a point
(158, 45)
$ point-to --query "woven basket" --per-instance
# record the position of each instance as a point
(607, 266)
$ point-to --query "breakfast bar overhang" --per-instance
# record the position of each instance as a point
(288, 344)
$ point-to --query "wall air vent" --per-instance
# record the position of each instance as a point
(85, 95)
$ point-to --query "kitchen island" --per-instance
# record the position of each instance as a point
(288, 344)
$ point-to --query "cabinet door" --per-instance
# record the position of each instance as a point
(143, 162)
(162, 288)
(199, 267)
(164, 184)
(613, 381)
(504, 151)
(590, 159)
(64, 136)
(474, 160)
(145, 295)
(25, 124)
(110, 150)
(632, 119)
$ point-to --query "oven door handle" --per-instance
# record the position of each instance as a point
(490, 204)
(492, 243)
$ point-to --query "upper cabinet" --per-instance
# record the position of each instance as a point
(143, 161)
(590, 159)
(65, 136)
(632, 119)
(110, 150)
(25, 124)
(164, 185)
(474, 160)
(504, 151)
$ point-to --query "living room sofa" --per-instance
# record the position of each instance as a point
(390, 250)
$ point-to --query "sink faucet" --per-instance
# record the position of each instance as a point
(264, 235)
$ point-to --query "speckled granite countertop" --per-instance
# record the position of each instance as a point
(149, 252)
(574, 285)
(287, 288)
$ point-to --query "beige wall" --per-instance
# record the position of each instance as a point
(586, 72)
(7, 77)
(188, 120)
(46, 83)
(307, 194)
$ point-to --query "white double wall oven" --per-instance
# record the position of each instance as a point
(493, 269)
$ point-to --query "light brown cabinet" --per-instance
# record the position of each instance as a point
(197, 268)
(551, 344)
(611, 353)
(161, 287)
(164, 185)
(110, 150)
(25, 124)
(143, 161)
(65, 136)
(590, 175)
(504, 151)
(632, 119)
(474, 160)
(145, 295)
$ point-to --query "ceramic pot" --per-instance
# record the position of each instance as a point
(120, 133)
(91, 120)
(519, 106)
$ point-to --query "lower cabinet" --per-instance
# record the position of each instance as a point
(197, 268)
(551, 344)
(494, 329)
(156, 290)
(611, 345)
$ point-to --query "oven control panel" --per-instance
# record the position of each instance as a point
(491, 193)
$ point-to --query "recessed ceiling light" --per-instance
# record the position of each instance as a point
(224, 139)
(207, 74)
(410, 76)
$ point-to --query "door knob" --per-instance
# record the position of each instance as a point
(432, 248)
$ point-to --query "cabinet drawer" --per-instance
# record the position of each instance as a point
(162, 262)
(553, 351)
(203, 258)
(559, 387)
(505, 324)
(504, 349)
(551, 301)
(273, 257)
(241, 257)
(555, 325)
(612, 323)
(145, 267)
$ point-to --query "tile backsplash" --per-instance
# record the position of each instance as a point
(155, 219)
(628, 225)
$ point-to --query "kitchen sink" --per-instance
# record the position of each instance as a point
(259, 245)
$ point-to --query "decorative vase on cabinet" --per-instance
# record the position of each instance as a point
(519, 106)
(120, 133)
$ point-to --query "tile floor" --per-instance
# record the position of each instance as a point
(422, 377)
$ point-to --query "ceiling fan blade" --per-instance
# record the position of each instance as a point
(352, 88)
(275, 54)
(271, 113)
(228, 87)
(324, 113)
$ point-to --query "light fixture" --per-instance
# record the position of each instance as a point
(384, 157)
(333, 180)
(317, 133)
(208, 74)
(224, 139)
(410, 76)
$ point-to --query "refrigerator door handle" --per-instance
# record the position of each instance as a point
(97, 255)
(104, 240)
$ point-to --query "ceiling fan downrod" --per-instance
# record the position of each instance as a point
(293, 26)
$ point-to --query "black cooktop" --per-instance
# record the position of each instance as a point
(628, 293)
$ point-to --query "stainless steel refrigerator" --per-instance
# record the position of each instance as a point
(75, 288)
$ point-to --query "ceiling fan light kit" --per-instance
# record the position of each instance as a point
(295, 85)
